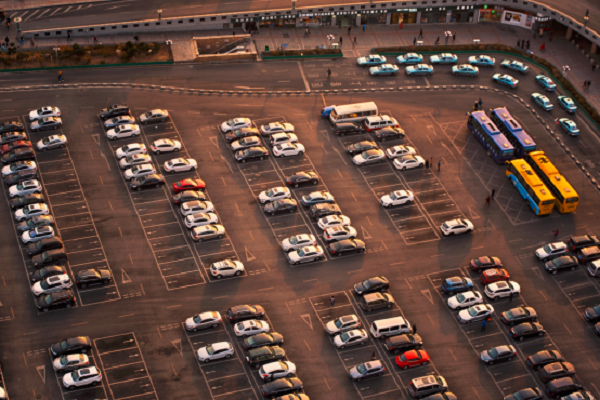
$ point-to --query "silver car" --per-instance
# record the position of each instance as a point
(342, 324)
(208, 319)
(135, 159)
(297, 242)
(306, 254)
(70, 362)
(277, 369)
(52, 142)
(206, 232)
(120, 120)
(366, 370)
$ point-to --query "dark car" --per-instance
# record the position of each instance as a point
(49, 257)
(265, 354)
(263, 339)
(586, 254)
(527, 329)
(375, 284)
(303, 178)
(281, 386)
(7, 137)
(389, 132)
(253, 153)
(560, 263)
(481, 263)
(46, 124)
(281, 206)
(22, 201)
(526, 394)
(144, 182)
(321, 210)
(34, 222)
(94, 276)
(541, 358)
(441, 396)
(556, 370)
(496, 354)
(63, 298)
(346, 246)
(243, 312)
(562, 387)
(5, 148)
(518, 315)
(21, 176)
(349, 128)
(317, 197)
(359, 147)
(592, 314)
(114, 111)
(579, 242)
(79, 344)
(241, 133)
(46, 272)
(189, 195)
(402, 343)
(45, 244)
(11, 126)
(457, 284)
(24, 153)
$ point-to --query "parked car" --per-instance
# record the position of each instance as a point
(346, 246)
(456, 284)
(342, 324)
(214, 351)
(156, 115)
(114, 111)
(63, 298)
(281, 386)
(389, 132)
(498, 290)
(401, 343)
(94, 276)
(265, 354)
(21, 154)
(464, 300)
(526, 329)
(556, 370)
(498, 354)
(561, 263)
(244, 312)
(542, 358)
(263, 339)
(79, 344)
(207, 319)
(11, 126)
(551, 250)
(278, 369)
(22, 201)
(412, 358)
(366, 370)
(302, 178)
(52, 142)
(518, 315)
(144, 182)
(45, 124)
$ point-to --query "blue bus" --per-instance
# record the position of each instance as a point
(521, 141)
(496, 144)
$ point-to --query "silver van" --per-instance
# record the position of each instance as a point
(390, 327)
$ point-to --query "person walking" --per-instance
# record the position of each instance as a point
(426, 164)
(555, 232)
(431, 162)
(414, 41)
(528, 45)
(543, 47)
(584, 85)
(136, 39)
(588, 85)
(328, 73)
(31, 42)
(488, 200)
(306, 32)
(439, 165)
(354, 43)
(68, 36)
(593, 67)
(95, 39)
(341, 40)
(349, 30)
(6, 39)
(401, 25)
(364, 28)
(510, 297)
(8, 23)
(421, 33)
(519, 44)
(373, 357)
(60, 77)
(480, 104)
(493, 193)
(453, 38)
(437, 40)
(414, 329)
(483, 325)
(332, 300)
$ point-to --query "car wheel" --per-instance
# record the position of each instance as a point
(176, 150)
(140, 188)
(404, 168)
(339, 254)
(361, 251)
(521, 338)
(261, 158)
(389, 305)
(113, 138)
(313, 182)
(243, 161)
(510, 358)
(342, 347)
(219, 276)
(163, 120)
(358, 379)
(496, 298)
(44, 149)
(157, 152)
(341, 134)
(56, 127)
(220, 237)
(71, 387)
(554, 272)
(196, 329)
(45, 310)
(157, 185)
(541, 334)
(83, 285)
(207, 360)
(572, 268)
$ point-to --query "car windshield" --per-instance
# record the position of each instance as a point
(270, 192)
(148, 114)
(114, 120)
(231, 122)
(344, 336)
(367, 284)
(46, 140)
(75, 375)
(44, 285)
(393, 196)
(509, 314)
(460, 298)
(117, 129)
(294, 240)
(362, 369)
(63, 359)
(251, 340)
(548, 248)
(210, 350)
(338, 323)
(365, 155)
(557, 262)
(493, 353)
(357, 146)
(301, 253)
(472, 311)
(197, 319)
(39, 111)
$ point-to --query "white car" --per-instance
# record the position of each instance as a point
(119, 120)
(465, 300)
(70, 362)
(130, 149)
(276, 193)
(214, 351)
(25, 187)
(288, 149)
(399, 151)
(306, 254)
(123, 131)
(397, 197)
(234, 124)
(44, 112)
(137, 171)
(475, 313)
(456, 226)
(244, 143)
(52, 284)
(181, 165)
(226, 268)
(165, 146)
(31, 210)
(276, 127)
(251, 327)
(369, 157)
(342, 324)
(82, 377)
(200, 219)
(281, 138)
(551, 250)
(196, 207)
(136, 159)
(497, 290)
(277, 369)
(207, 232)
(408, 162)
(333, 220)
(52, 142)
(208, 319)
(339, 233)
(37, 234)
(298, 242)
(351, 338)
(18, 166)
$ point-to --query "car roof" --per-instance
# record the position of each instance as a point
(373, 296)
(79, 340)
(221, 346)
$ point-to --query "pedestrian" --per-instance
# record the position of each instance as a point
(493, 193)
(519, 44)
(6, 39)
(437, 40)
(332, 300)
(373, 357)
(306, 28)
(2, 46)
(414, 41)
(439, 165)
(7, 24)
(68, 36)
(31, 42)
(555, 232)
(341, 40)
(593, 67)
(349, 29)
(414, 329)
(401, 25)
(340, 24)
(421, 33)
(328, 73)
(475, 106)
(354, 40)
(543, 47)
(510, 297)
(60, 77)
(483, 325)
(588, 85)
(480, 104)
(528, 45)
(306, 32)
(431, 162)
(584, 85)
(364, 28)
(488, 200)
(453, 38)
(136, 39)
(95, 39)
(426, 164)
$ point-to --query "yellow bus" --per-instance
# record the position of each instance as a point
(566, 197)
(530, 186)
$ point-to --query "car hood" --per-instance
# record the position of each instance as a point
(541, 252)
(68, 378)
(359, 287)
(330, 327)
(269, 207)
(591, 312)
(485, 355)
(386, 199)
(202, 353)
(453, 302)
(353, 372)
(56, 349)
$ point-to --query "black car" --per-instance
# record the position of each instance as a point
(281, 386)
(46, 272)
(22, 201)
(114, 111)
(402, 343)
(57, 256)
(94, 276)
(265, 354)
(518, 315)
(441, 396)
(375, 284)
(349, 128)
(389, 132)
(281, 206)
(496, 354)
(587, 254)
(527, 329)
(486, 262)
(189, 195)
(302, 178)
(346, 246)
(526, 394)
(253, 153)
(592, 314)
(579, 242)
(63, 298)
(8, 137)
(45, 244)
(11, 126)
(263, 339)
(243, 312)
(359, 147)
(79, 344)
(144, 182)
(556, 370)
(560, 263)
(20, 176)
(34, 222)
(541, 358)
(563, 387)
(324, 209)
(241, 133)
(24, 153)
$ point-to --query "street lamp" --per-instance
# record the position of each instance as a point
(586, 19)
(56, 49)
(159, 14)
(18, 20)
(294, 4)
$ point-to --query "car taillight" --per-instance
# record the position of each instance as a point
(214, 272)
(332, 251)
(515, 353)
(265, 375)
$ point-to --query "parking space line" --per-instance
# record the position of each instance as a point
(159, 212)
(57, 172)
(122, 365)
(171, 262)
(223, 377)
(76, 226)
(162, 237)
(168, 223)
(235, 391)
(171, 248)
(81, 238)
(82, 251)
(181, 273)
(87, 263)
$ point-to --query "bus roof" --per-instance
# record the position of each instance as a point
(532, 179)
(350, 108)
(550, 170)
(487, 124)
(513, 126)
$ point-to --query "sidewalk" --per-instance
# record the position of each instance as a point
(28, 4)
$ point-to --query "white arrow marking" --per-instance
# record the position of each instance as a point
(427, 294)
(41, 369)
(215, 141)
(308, 321)
(249, 256)
(125, 277)
(96, 138)
(177, 344)
(365, 233)
(473, 214)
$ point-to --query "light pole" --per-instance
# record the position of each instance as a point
(586, 19)
(56, 49)
(18, 20)
(159, 14)
(294, 4)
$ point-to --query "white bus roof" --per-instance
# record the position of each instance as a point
(350, 108)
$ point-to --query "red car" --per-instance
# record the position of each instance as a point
(494, 275)
(188, 184)
(412, 358)
(14, 145)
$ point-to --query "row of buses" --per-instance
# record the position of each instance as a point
(538, 181)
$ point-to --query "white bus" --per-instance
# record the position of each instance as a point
(352, 112)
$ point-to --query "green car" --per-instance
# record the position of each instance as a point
(568, 126)
(542, 101)
(466, 70)
(567, 103)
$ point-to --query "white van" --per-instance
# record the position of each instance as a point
(380, 121)
(390, 327)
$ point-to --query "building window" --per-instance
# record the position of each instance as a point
(191, 20)
(213, 18)
(202, 19)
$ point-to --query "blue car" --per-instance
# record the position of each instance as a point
(567, 103)
(409, 58)
(466, 70)
(457, 284)
(326, 111)
(515, 66)
(569, 126)
(317, 197)
(542, 101)
(371, 60)
(506, 80)
(546, 82)
(419, 69)
(482, 61)
(385, 69)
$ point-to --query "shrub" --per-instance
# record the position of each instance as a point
(7, 61)
(107, 53)
(102, 62)
(155, 47)
(78, 51)
(40, 60)
(22, 56)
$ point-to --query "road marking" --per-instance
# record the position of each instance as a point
(308, 322)
(249, 256)
(427, 294)
(306, 85)
(177, 344)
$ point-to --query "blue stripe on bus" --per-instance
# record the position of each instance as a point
(524, 194)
